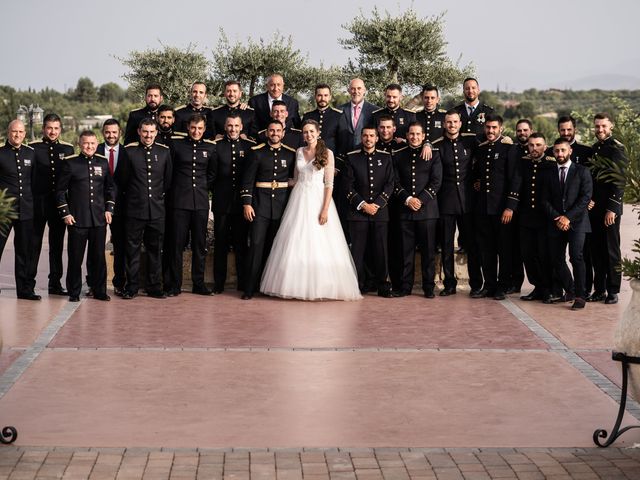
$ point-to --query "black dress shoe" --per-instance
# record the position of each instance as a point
(103, 297)
(89, 292)
(499, 295)
(429, 294)
(387, 293)
(118, 292)
(598, 297)
(218, 290)
(568, 297)
(246, 296)
(173, 292)
(128, 295)
(611, 299)
(29, 296)
(511, 290)
(547, 299)
(74, 298)
(479, 293)
(202, 291)
(534, 295)
(578, 303)
(156, 294)
(58, 291)
(448, 291)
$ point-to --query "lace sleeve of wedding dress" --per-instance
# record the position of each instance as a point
(294, 180)
(329, 170)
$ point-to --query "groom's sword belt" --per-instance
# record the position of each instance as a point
(272, 185)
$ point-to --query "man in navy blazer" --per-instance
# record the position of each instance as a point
(566, 194)
(262, 103)
(353, 131)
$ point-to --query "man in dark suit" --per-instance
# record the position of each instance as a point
(416, 186)
(192, 172)
(233, 95)
(230, 229)
(357, 115)
(472, 112)
(197, 104)
(369, 182)
(50, 153)
(115, 153)
(144, 177)
(85, 196)
(264, 194)
(262, 103)
(17, 165)
(153, 99)
(567, 192)
(605, 215)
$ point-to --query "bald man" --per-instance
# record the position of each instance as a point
(263, 102)
(17, 167)
(357, 114)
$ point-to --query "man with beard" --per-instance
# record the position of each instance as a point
(472, 112)
(219, 115)
(497, 183)
(357, 114)
(567, 192)
(431, 117)
(401, 116)
(455, 201)
(153, 99)
(580, 153)
(605, 214)
(262, 103)
(166, 122)
(264, 194)
(192, 172)
(230, 228)
(197, 104)
(292, 137)
(331, 120)
(50, 154)
(524, 128)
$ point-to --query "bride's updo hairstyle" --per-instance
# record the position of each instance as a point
(322, 152)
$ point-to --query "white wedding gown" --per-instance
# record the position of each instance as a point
(309, 261)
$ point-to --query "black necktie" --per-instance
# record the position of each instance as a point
(563, 176)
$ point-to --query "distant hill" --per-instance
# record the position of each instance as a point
(602, 82)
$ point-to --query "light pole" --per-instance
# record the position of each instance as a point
(31, 116)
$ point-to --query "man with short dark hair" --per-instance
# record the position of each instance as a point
(85, 195)
(472, 112)
(431, 117)
(262, 103)
(524, 128)
(292, 137)
(153, 99)
(331, 120)
(17, 165)
(50, 153)
(166, 123)
(197, 104)
(233, 96)
(401, 116)
(386, 128)
(145, 177)
(580, 153)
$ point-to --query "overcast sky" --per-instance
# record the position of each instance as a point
(515, 45)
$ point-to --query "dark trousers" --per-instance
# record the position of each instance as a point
(150, 232)
(45, 212)
(119, 241)
(230, 231)
(558, 246)
(494, 243)
(606, 256)
(185, 223)
(261, 234)
(421, 234)
(534, 245)
(517, 263)
(588, 263)
(396, 259)
(23, 246)
(466, 241)
(77, 241)
(375, 235)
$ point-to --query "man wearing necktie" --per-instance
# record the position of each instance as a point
(472, 111)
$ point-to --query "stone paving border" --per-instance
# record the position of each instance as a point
(318, 464)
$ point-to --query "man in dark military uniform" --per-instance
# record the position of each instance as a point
(115, 152)
(85, 197)
(416, 186)
(230, 227)
(401, 116)
(166, 122)
(567, 191)
(292, 137)
(264, 194)
(153, 99)
(605, 214)
(524, 128)
(233, 95)
(331, 120)
(197, 104)
(455, 201)
(472, 112)
(50, 155)
(580, 153)
(145, 177)
(387, 141)
(262, 104)
(431, 117)
(532, 218)
(192, 172)
(17, 165)
(497, 182)
(369, 183)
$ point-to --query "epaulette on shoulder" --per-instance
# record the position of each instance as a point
(176, 137)
(400, 149)
(468, 134)
(249, 108)
(421, 109)
(213, 109)
(139, 109)
(484, 143)
(487, 107)
(262, 131)
(437, 140)
(28, 146)
(527, 157)
(295, 129)
(132, 144)
(353, 151)
(35, 142)
(162, 145)
(180, 134)
(288, 147)
(382, 151)
(442, 110)
(506, 140)
(410, 110)
(549, 158)
(61, 142)
(378, 110)
(257, 147)
(336, 109)
(99, 155)
(251, 140)
(212, 142)
(70, 157)
(618, 143)
(180, 107)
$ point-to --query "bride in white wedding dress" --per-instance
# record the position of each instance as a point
(310, 259)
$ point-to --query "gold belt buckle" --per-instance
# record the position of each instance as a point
(274, 185)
